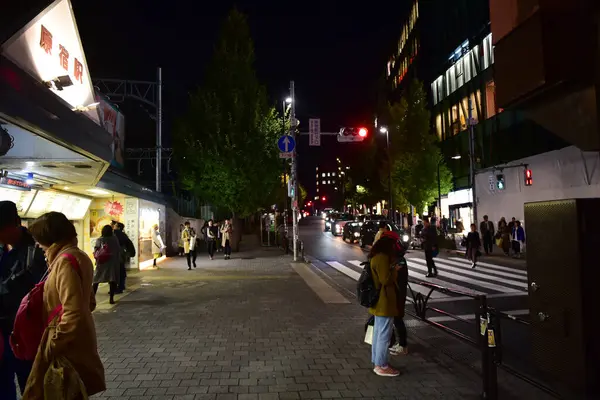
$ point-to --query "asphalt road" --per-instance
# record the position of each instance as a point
(505, 286)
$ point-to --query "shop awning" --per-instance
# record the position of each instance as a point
(30, 105)
(116, 182)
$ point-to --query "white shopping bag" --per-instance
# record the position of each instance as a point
(369, 335)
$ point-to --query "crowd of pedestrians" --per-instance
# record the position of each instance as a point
(217, 237)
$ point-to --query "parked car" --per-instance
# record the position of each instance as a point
(337, 226)
(369, 229)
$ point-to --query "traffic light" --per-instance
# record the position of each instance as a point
(352, 134)
(528, 178)
(323, 198)
(500, 182)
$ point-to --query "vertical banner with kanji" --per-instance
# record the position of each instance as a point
(314, 131)
(132, 228)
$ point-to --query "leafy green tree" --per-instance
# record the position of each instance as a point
(415, 154)
(225, 143)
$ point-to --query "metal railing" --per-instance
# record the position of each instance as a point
(488, 337)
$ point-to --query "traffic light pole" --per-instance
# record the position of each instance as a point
(294, 175)
(472, 162)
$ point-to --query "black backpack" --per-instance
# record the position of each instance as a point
(367, 293)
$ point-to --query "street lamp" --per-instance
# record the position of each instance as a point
(385, 131)
(456, 157)
(285, 105)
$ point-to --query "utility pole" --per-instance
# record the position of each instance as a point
(159, 129)
(294, 177)
(472, 161)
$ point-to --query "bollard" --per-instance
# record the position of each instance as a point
(488, 367)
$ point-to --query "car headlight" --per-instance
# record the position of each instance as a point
(356, 234)
(405, 238)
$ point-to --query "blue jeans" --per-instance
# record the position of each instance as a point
(382, 332)
(9, 367)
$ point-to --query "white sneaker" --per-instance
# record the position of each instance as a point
(397, 350)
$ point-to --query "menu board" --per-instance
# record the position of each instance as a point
(74, 207)
(20, 197)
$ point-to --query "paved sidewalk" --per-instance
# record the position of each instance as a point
(252, 328)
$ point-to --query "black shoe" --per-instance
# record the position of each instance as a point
(194, 265)
(112, 300)
(429, 276)
(189, 268)
(435, 274)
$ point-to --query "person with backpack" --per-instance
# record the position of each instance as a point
(22, 266)
(127, 252)
(69, 337)
(384, 269)
(107, 253)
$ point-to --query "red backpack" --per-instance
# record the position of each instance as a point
(29, 323)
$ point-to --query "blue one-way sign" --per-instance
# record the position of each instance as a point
(286, 144)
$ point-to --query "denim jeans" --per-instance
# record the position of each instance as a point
(9, 367)
(382, 332)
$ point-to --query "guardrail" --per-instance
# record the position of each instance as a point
(488, 337)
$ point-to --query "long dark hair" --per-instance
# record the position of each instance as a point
(384, 245)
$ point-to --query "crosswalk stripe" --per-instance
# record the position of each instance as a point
(490, 274)
(492, 266)
(344, 270)
(461, 278)
(444, 265)
(415, 287)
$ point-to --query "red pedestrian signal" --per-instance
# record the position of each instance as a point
(362, 132)
(352, 135)
(528, 178)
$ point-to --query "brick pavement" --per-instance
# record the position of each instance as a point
(249, 329)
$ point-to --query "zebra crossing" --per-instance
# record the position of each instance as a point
(454, 273)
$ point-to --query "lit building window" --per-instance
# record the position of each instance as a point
(329, 182)
(317, 190)
(323, 175)
(333, 173)
(324, 183)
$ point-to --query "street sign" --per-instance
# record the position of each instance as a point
(286, 155)
(314, 130)
(492, 182)
(286, 144)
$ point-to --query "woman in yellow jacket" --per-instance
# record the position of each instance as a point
(385, 275)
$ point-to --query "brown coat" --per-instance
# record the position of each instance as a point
(74, 337)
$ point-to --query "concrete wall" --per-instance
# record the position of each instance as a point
(173, 233)
(562, 174)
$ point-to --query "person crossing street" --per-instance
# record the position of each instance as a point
(429, 235)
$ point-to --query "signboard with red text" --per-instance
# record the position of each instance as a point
(49, 48)
(113, 121)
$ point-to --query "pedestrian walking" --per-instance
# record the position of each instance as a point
(430, 245)
(211, 238)
(487, 233)
(226, 236)
(69, 341)
(22, 265)
(158, 246)
(473, 245)
(385, 277)
(107, 254)
(185, 239)
(518, 239)
(193, 246)
(127, 252)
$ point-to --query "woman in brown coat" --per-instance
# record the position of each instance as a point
(73, 337)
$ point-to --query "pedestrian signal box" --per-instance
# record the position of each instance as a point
(500, 182)
(528, 178)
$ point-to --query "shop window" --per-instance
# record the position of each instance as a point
(490, 99)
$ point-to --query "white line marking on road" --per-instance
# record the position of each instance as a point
(491, 274)
(464, 279)
(321, 288)
(344, 270)
(492, 266)
(442, 265)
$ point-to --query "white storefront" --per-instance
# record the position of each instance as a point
(563, 174)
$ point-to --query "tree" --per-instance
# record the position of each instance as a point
(415, 154)
(225, 143)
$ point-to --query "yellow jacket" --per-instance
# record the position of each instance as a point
(385, 278)
(185, 238)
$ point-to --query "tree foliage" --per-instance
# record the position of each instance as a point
(225, 143)
(415, 154)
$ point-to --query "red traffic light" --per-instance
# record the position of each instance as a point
(528, 177)
(362, 132)
(323, 198)
(309, 203)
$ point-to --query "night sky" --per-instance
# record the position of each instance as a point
(334, 51)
